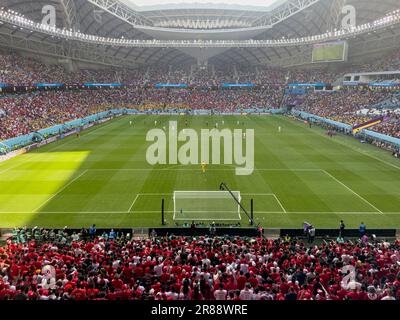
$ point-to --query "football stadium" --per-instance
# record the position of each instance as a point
(199, 150)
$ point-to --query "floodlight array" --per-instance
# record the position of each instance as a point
(19, 21)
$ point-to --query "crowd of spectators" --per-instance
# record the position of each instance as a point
(345, 105)
(22, 71)
(218, 100)
(54, 265)
(390, 62)
(23, 114)
(390, 126)
(26, 113)
(18, 70)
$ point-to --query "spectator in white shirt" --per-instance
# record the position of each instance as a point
(220, 294)
(246, 293)
(389, 295)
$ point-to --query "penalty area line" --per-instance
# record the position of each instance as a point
(174, 168)
(61, 190)
(352, 191)
(279, 202)
(133, 203)
(170, 211)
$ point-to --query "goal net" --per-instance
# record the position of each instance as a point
(206, 206)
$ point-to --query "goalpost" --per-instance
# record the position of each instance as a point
(206, 206)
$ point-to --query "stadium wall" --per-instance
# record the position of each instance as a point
(53, 133)
(254, 232)
(206, 112)
(234, 232)
(333, 233)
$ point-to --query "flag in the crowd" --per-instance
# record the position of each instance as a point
(357, 128)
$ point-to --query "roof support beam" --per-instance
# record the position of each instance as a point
(69, 9)
(284, 11)
(279, 14)
(378, 25)
(122, 12)
(83, 53)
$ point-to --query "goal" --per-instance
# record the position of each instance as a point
(206, 206)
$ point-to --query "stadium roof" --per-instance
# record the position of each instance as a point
(251, 5)
(116, 19)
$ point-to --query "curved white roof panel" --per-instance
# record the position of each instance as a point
(251, 5)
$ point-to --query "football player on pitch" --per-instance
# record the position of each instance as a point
(203, 167)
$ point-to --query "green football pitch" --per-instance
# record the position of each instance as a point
(103, 177)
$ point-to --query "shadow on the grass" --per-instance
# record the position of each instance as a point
(79, 201)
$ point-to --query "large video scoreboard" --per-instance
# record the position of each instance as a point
(330, 52)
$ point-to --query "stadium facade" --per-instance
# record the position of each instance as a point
(279, 35)
(310, 87)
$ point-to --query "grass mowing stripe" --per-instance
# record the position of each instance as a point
(61, 143)
(59, 191)
(8, 169)
(170, 211)
(351, 190)
(85, 134)
(133, 203)
(283, 208)
(115, 158)
(140, 211)
(194, 169)
(346, 145)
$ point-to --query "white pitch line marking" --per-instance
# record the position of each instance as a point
(81, 212)
(133, 203)
(156, 194)
(10, 168)
(351, 190)
(280, 203)
(257, 194)
(349, 147)
(61, 190)
(153, 211)
(156, 211)
(171, 193)
(266, 194)
(195, 169)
